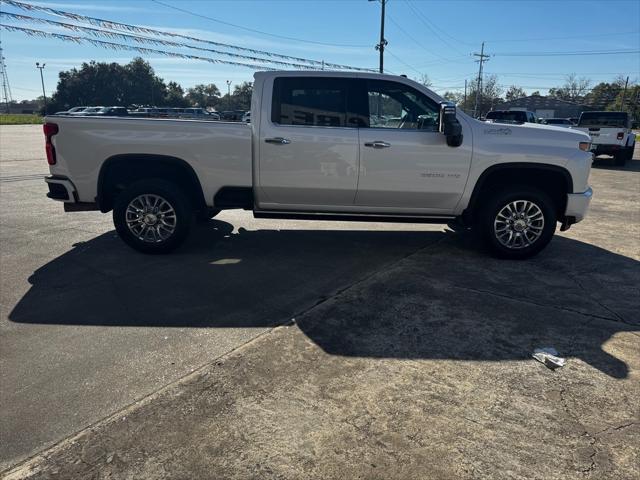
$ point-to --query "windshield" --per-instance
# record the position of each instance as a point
(603, 119)
(512, 117)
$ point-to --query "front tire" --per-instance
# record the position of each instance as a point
(152, 216)
(517, 223)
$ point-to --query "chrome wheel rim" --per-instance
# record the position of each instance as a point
(151, 218)
(519, 224)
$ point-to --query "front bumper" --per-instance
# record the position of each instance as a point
(577, 207)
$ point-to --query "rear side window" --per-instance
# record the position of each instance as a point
(604, 119)
(311, 101)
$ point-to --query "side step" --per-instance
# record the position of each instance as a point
(352, 217)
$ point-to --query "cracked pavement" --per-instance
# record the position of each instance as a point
(413, 362)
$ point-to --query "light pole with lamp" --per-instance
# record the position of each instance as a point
(44, 95)
(229, 95)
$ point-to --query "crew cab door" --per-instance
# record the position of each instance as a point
(405, 162)
(307, 144)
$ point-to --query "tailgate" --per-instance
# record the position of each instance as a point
(605, 135)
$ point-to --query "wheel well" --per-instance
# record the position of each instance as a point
(120, 171)
(554, 181)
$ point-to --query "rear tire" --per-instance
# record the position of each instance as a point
(152, 216)
(630, 152)
(516, 223)
(620, 158)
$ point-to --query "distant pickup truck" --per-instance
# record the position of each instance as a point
(511, 116)
(610, 134)
(313, 151)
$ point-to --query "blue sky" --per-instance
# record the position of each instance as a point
(509, 28)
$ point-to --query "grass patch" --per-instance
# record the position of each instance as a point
(20, 119)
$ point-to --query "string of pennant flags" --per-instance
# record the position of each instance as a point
(134, 29)
(119, 46)
(145, 40)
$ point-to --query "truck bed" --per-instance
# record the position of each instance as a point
(219, 152)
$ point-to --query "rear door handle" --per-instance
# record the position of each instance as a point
(377, 144)
(278, 140)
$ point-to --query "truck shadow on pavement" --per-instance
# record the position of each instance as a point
(379, 294)
(607, 163)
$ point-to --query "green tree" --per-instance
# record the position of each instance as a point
(604, 94)
(241, 97)
(490, 96)
(100, 83)
(204, 95)
(573, 89)
(175, 96)
(514, 92)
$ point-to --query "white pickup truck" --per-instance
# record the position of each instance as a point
(325, 145)
(610, 134)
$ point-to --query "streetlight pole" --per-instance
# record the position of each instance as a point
(44, 95)
(380, 46)
(229, 94)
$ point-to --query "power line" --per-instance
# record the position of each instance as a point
(222, 22)
(148, 40)
(433, 27)
(119, 46)
(109, 24)
(402, 61)
(559, 54)
(412, 38)
(569, 37)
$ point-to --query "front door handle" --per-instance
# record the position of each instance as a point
(377, 144)
(278, 140)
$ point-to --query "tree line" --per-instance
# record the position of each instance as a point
(603, 96)
(136, 84)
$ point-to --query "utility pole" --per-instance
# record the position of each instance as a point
(41, 68)
(465, 93)
(624, 93)
(6, 89)
(481, 59)
(229, 94)
(383, 43)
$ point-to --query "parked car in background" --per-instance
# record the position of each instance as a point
(247, 117)
(214, 115)
(610, 134)
(71, 110)
(511, 116)
(109, 112)
(86, 111)
(558, 122)
(145, 112)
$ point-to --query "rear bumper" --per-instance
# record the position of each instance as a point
(605, 149)
(61, 189)
(577, 207)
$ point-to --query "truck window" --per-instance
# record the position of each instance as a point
(604, 119)
(394, 105)
(310, 101)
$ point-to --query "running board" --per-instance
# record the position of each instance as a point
(352, 217)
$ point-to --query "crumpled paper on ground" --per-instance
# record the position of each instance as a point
(549, 356)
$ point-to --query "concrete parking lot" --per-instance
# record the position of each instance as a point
(290, 349)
